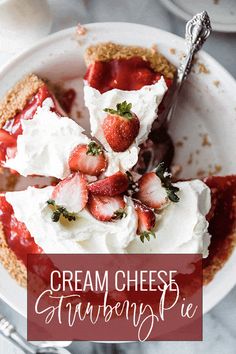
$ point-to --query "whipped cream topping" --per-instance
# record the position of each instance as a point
(85, 235)
(46, 143)
(180, 228)
(145, 104)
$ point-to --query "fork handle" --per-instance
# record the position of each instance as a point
(9, 332)
(198, 30)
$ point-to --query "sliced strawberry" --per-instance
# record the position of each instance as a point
(110, 186)
(71, 193)
(146, 220)
(120, 127)
(88, 159)
(146, 217)
(151, 192)
(106, 208)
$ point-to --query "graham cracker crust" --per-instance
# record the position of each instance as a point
(16, 98)
(109, 51)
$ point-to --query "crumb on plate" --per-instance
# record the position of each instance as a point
(202, 68)
(190, 159)
(205, 140)
(81, 30)
(216, 83)
(172, 51)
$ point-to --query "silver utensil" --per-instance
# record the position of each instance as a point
(9, 332)
(197, 31)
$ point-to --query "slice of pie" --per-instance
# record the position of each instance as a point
(19, 105)
(116, 73)
(116, 66)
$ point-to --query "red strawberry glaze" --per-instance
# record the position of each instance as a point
(123, 74)
(17, 236)
(67, 99)
(222, 216)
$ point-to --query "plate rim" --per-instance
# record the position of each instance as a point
(59, 35)
(184, 15)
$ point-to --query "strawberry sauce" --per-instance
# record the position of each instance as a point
(222, 216)
(67, 99)
(123, 74)
(17, 236)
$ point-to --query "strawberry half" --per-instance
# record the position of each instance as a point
(146, 220)
(105, 208)
(151, 192)
(71, 193)
(88, 159)
(120, 127)
(110, 186)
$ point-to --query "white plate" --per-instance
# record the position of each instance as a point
(207, 107)
(221, 12)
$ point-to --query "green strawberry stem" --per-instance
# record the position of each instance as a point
(165, 178)
(59, 210)
(94, 149)
(145, 235)
(119, 214)
(123, 109)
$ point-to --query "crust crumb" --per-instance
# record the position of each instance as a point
(109, 51)
(202, 68)
(154, 48)
(179, 143)
(205, 140)
(78, 114)
(81, 30)
(172, 51)
(216, 83)
(190, 159)
(217, 168)
(201, 173)
(176, 170)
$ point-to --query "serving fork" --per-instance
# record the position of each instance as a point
(197, 31)
(9, 332)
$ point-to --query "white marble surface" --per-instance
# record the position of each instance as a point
(220, 324)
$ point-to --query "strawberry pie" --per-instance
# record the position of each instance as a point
(98, 202)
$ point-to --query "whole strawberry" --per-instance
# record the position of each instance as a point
(120, 127)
